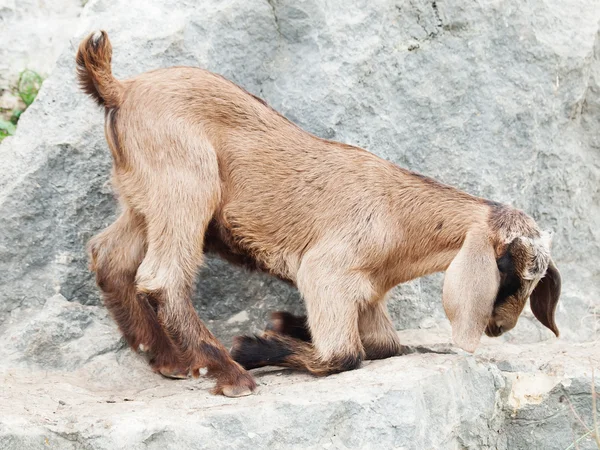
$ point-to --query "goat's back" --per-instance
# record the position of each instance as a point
(283, 190)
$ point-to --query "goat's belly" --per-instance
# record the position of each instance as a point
(220, 241)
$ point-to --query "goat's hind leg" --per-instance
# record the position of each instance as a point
(115, 255)
(167, 273)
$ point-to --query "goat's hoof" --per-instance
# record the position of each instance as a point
(236, 391)
(242, 385)
(175, 374)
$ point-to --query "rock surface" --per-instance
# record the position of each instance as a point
(72, 385)
(500, 98)
(33, 33)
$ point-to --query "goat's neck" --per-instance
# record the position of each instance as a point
(433, 222)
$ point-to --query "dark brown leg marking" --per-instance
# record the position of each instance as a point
(273, 349)
(116, 253)
(380, 341)
(198, 348)
(289, 325)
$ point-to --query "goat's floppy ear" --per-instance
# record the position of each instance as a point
(544, 298)
(470, 288)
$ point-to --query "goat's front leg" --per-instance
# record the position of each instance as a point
(377, 333)
(333, 303)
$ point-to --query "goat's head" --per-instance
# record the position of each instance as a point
(486, 292)
(526, 271)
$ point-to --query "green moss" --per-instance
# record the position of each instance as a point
(27, 88)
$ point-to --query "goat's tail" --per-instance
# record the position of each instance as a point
(94, 71)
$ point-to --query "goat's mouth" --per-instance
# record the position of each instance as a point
(493, 330)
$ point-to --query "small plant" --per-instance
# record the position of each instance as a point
(27, 88)
(7, 128)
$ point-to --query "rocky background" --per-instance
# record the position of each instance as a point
(498, 97)
(33, 33)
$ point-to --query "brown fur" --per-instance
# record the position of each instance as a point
(201, 165)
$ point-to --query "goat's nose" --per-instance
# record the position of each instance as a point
(493, 330)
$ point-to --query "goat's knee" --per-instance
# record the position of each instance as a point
(332, 304)
(113, 267)
(116, 253)
(329, 344)
(379, 340)
(346, 361)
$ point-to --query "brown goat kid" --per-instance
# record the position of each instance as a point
(200, 165)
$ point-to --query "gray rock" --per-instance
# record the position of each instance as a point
(61, 335)
(500, 100)
(33, 34)
(71, 384)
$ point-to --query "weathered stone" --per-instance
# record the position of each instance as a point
(500, 98)
(71, 384)
(33, 33)
(61, 336)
